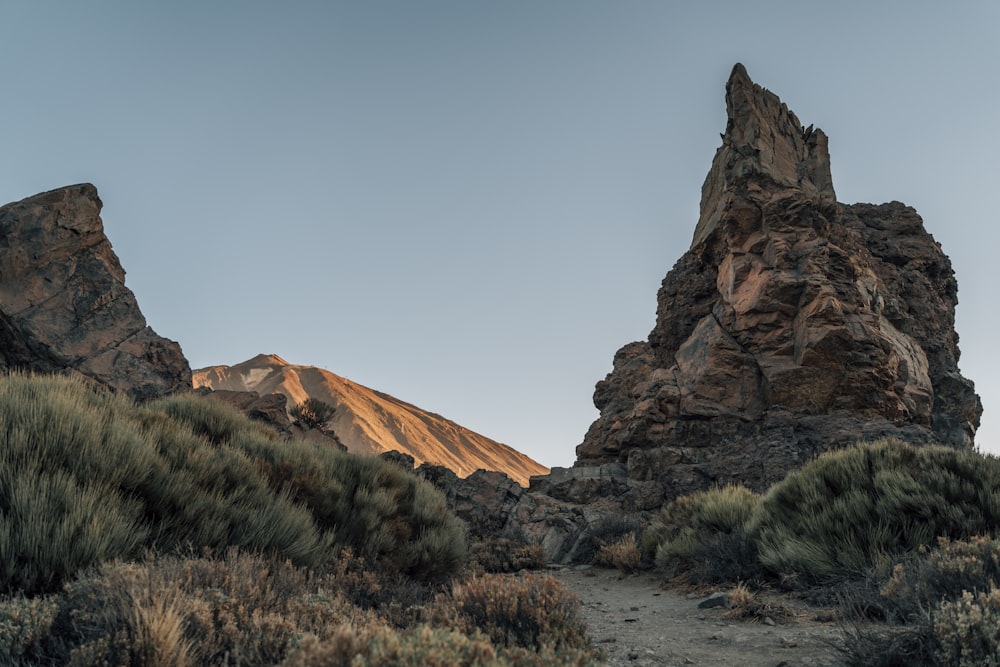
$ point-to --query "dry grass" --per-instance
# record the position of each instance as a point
(623, 554)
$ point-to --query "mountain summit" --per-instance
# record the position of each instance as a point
(371, 422)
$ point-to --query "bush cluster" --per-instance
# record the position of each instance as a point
(707, 536)
(499, 555)
(87, 477)
(839, 516)
(851, 509)
(943, 608)
(249, 609)
(529, 611)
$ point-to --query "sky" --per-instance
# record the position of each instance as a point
(470, 205)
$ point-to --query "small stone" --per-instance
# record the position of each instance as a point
(769, 621)
(714, 600)
(788, 642)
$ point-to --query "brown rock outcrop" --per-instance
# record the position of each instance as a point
(64, 306)
(793, 324)
(272, 410)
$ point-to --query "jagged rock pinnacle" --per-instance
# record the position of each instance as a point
(793, 324)
(763, 140)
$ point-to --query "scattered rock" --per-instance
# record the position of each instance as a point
(714, 600)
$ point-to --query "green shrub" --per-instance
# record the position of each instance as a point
(968, 630)
(243, 608)
(248, 609)
(25, 625)
(380, 646)
(606, 531)
(499, 555)
(529, 611)
(707, 535)
(949, 600)
(623, 555)
(89, 476)
(313, 412)
(213, 419)
(851, 509)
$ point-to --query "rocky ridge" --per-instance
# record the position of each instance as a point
(64, 306)
(372, 422)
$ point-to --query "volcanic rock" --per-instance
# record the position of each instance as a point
(272, 410)
(64, 306)
(793, 324)
(372, 422)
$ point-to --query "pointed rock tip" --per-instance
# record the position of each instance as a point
(739, 73)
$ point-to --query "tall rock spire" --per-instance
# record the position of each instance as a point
(792, 325)
(764, 141)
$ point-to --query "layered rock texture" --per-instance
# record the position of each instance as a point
(64, 306)
(371, 422)
(793, 324)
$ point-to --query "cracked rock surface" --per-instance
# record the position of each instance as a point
(64, 306)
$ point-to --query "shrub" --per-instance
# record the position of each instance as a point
(87, 477)
(243, 608)
(380, 646)
(949, 599)
(247, 609)
(707, 535)
(968, 630)
(313, 412)
(623, 555)
(25, 624)
(606, 531)
(500, 555)
(851, 509)
(530, 611)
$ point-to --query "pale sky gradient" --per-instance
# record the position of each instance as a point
(467, 204)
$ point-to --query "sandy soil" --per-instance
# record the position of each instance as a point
(635, 621)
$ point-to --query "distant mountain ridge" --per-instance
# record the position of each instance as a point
(373, 422)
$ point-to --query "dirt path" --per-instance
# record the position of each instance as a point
(636, 622)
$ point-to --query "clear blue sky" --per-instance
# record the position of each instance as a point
(469, 204)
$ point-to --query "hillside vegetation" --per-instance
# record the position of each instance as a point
(891, 532)
(179, 532)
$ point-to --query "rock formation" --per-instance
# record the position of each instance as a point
(64, 306)
(793, 324)
(372, 422)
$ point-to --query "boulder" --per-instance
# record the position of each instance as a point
(64, 306)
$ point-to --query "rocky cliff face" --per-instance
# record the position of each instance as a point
(792, 324)
(371, 422)
(64, 306)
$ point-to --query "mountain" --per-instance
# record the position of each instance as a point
(64, 306)
(371, 422)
